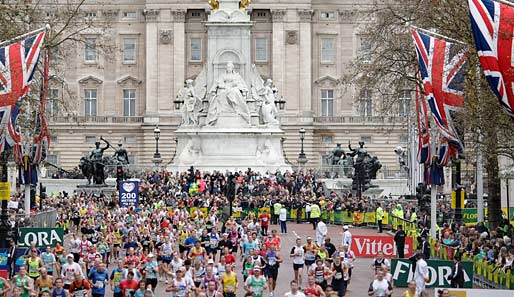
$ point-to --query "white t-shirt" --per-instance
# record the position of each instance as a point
(381, 287)
(298, 294)
(282, 215)
(299, 255)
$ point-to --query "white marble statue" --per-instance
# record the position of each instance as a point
(191, 152)
(228, 96)
(266, 154)
(192, 94)
(263, 94)
(192, 104)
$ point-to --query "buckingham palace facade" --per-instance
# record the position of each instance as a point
(122, 80)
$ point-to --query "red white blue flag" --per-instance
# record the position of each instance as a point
(441, 66)
(42, 140)
(424, 149)
(493, 30)
(18, 62)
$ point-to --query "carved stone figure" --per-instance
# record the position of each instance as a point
(192, 104)
(228, 95)
(191, 153)
(264, 95)
(265, 154)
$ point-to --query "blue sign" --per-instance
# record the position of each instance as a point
(129, 193)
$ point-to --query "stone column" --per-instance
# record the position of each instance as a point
(165, 67)
(305, 18)
(179, 53)
(152, 62)
(278, 52)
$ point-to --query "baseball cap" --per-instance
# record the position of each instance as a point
(308, 237)
(345, 227)
(150, 255)
(69, 256)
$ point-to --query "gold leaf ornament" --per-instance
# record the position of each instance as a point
(215, 5)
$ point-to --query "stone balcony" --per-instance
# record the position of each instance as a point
(360, 120)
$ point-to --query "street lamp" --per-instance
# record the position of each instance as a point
(508, 175)
(302, 159)
(157, 155)
(178, 102)
(281, 103)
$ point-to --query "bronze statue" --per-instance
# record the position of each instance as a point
(96, 157)
(121, 154)
(337, 155)
(365, 167)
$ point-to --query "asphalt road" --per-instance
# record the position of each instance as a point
(362, 274)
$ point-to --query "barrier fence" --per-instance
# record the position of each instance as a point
(486, 275)
(44, 219)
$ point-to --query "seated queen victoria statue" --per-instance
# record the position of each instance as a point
(228, 96)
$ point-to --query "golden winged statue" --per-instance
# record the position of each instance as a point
(242, 4)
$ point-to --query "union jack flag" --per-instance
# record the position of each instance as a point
(18, 63)
(493, 28)
(424, 149)
(42, 140)
(441, 65)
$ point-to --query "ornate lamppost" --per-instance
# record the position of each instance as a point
(178, 102)
(157, 156)
(302, 158)
(280, 103)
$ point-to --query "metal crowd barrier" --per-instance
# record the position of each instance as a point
(485, 275)
(44, 219)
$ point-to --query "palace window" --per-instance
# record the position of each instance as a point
(90, 139)
(51, 102)
(366, 103)
(328, 50)
(90, 50)
(129, 15)
(129, 50)
(90, 102)
(327, 15)
(195, 47)
(327, 103)
(129, 102)
(364, 50)
(261, 49)
(404, 103)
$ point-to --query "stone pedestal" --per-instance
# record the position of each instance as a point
(232, 149)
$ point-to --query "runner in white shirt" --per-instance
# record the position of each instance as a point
(68, 271)
(298, 253)
(380, 287)
(294, 290)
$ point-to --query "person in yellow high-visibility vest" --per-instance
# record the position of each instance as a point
(276, 212)
(380, 216)
(315, 215)
(413, 216)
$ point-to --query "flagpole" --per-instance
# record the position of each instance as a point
(438, 35)
(21, 37)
